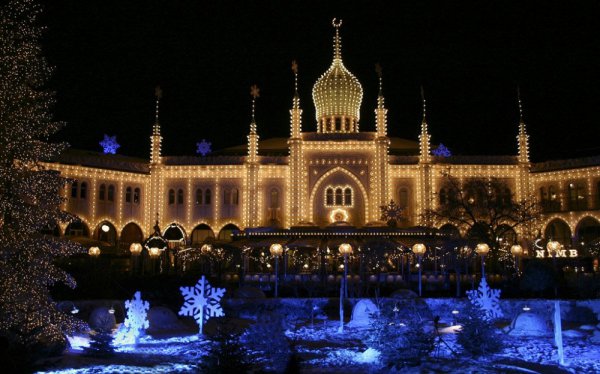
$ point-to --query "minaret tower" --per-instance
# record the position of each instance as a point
(251, 200)
(522, 137)
(156, 138)
(382, 143)
(156, 202)
(296, 181)
(424, 189)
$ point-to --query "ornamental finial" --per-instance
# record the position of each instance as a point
(379, 72)
(520, 103)
(158, 95)
(424, 104)
(255, 93)
(295, 70)
(337, 42)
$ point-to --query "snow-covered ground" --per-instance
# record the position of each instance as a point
(322, 349)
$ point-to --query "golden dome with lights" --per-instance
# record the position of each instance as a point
(337, 94)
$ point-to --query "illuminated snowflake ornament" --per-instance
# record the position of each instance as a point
(202, 302)
(442, 151)
(109, 144)
(203, 147)
(136, 321)
(487, 299)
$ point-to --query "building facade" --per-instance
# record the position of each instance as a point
(336, 173)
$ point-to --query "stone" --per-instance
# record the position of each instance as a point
(361, 313)
(162, 318)
(530, 324)
(102, 320)
(596, 337)
(587, 327)
(573, 334)
(248, 292)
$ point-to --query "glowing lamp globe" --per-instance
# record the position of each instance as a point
(466, 251)
(135, 249)
(419, 249)
(345, 249)
(553, 247)
(206, 249)
(105, 228)
(276, 250)
(154, 252)
(516, 250)
(94, 251)
(482, 249)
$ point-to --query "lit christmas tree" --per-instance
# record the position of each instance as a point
(29, 194)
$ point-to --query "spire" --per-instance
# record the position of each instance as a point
(424, 138)
(253, 136)
(381, 111)
(295, 112)
(337, 40)
(522, 137)
(156, 138)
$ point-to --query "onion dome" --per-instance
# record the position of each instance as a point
(337, 94)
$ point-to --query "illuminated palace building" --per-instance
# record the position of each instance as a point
(335, 176)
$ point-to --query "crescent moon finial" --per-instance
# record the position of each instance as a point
(336, 25)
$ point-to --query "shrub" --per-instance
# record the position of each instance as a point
(478, 335)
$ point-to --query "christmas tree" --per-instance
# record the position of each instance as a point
(30, 196)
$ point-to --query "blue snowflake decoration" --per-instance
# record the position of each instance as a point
(203, 147)
(109, 144)
(442, 151)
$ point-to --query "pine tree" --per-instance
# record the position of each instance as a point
(30, 196)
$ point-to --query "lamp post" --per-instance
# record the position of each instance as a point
(154, 253)
(135, 249)
(206, 251)
(419, 249)
(345, 250)
(482, 249)
(553, 247)
(516, 250)
(276, 251)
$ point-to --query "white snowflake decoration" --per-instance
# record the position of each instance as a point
(203, 147)
(109, 144)
(487, 299)
(135, 322)
(202, 302)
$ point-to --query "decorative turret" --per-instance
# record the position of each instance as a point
(381, 111)
(424, 138)
(253, 136)
(295, 112)
(522, 137)
(337, 94)
(156, 138)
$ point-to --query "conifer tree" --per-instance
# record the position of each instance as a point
(30, 197)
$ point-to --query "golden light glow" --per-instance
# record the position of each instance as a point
(338, 215)
(135, 249)
(482, 249)
(419, 249)
(94, 251)
(345, 249)
(516, 250)
(276, 249)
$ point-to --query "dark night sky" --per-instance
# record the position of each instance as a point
(205, 55)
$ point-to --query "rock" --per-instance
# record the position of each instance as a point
(530, 324)
(596, 337)
(403, 294)
(580, 314)
(162, 318)
(573, 334)
(361, 313)
(102, 320)
(587, 327)
(248, 292)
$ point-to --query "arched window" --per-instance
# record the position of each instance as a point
(199, 196)
(102, 192)
(180, 196)
(171, 196)
(338, 196)
(207, 196)
(552, 193)
(74, 189)
(274, 198)
(543, 194)
(348, 196)
(403, 198)
(235, 196)
(111, 193)
(128, 195)
(329, 196)
(227, 196)
(443, 196)
(83, 190)
(136, 196)
(577, 197)
(506, 197)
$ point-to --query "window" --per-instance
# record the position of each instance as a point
(543, 194)
(207, 196)
(329, 196)
(111, 193)
(338, 196)
(136, 196)
(128, 195)
(227, 196)
(102, 192)
(403, 198)
(179, 196)
(348, 196)
(274, 198)
(198, 196)
(577, 197)
(83, 190)
(235, 196)
(171, 197)
(74, 189)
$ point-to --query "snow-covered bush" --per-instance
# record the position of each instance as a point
(227, 354)
(478, 335)
(267, 336)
